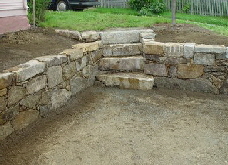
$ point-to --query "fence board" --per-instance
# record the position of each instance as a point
(201, 7)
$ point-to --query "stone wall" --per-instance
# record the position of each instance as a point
(187, 66)
(29, 91)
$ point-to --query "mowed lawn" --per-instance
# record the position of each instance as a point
(103, 18)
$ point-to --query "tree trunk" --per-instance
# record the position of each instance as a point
(174, 5)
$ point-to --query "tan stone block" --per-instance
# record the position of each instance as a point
(5, 130)
(16, 93)
(190, 71)
(6, 79)
(88, 47)
(3, 92)
(74, 54)
(174, 49)
(24, 119)
(154, 48)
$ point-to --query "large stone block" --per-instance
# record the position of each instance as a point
(147, 35)
(78, 84)
(36, 84)
(23, 119)
(16, 93)
(174, 49)
(69, 70)
(122, 49)
(96, 55)
(29, 69)
(120, 37)
(60, 98)
(154, 48)
(189, 49)
(195, 85)
(190, 71)
(90, 36)
(69, 33)
(88, 47)
(31, 101)
(127, 80)
(80, 64)
(53, 60)
(122, 64)
(74, 54)
(54, 75)
(5, 130)
(156, 69)
(6, 79)
(210, 49)
(204, 59)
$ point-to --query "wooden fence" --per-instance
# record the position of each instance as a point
(201, 7)
(114, 3)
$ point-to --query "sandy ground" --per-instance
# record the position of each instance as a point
(109, 126)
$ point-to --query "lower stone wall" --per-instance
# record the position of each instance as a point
(29, 91)
(187, 66)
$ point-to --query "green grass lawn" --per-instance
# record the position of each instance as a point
(103, 18)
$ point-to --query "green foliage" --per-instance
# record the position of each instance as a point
(40, 9)
(138, 4)
(186, 8)
(154, 8)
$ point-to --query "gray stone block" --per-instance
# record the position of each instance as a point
(156, 69)
(31, 101)
(77, 84)
(174, 49)
(36, 84)
(189, 49)
(53, 60)
(59, 98)
(90, 36)
(204, 59)
(54, 75)
(16, 93)
(5, 130)
(210, 49)
(69, 70)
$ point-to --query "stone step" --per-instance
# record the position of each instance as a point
(135, 63)
(118, 50)
(127, 80)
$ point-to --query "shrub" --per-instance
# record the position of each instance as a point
(154, 8)
(186, 8)
(41, 7)
(138, 4)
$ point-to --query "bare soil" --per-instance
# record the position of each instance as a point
(188, 33)
(108, 126)
(20, 47)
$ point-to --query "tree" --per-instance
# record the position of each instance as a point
(174, 4)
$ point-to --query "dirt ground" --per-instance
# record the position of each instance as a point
(20, 47)
(108, 126)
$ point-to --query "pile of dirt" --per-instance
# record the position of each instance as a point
(188, 33)
(20, 47)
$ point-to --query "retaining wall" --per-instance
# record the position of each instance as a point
(29, 91)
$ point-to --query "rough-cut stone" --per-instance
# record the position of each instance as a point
(69, 33)
(154, 58)
(69, 70)
(147, 35)
(174, 49)
(16, 93)
(204, 59)
(2, 104)
(195, 85)
(172, 71)
(3, 92)
(23, 119)
(224, 88)
(81, 63)
(189, 49)
(127, 80)
(95, 56)
(36, 84)
(5, 130)
(90, 36)
(78, 84)
(31, 101)
(6, 79)
(54, 75)
(74, 54)
(120, 37)
(156, 69)
(88, 47)
(123, 64)
(45, 98)
(53, 60)
(29, 69)
(122, 49)
(44, 110)
(9, 114)
(175, 60)
(154, 48)
(59, 98)
(210, 49)
(190, 71)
